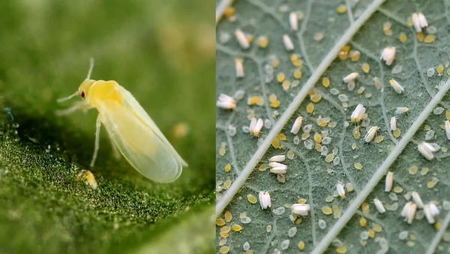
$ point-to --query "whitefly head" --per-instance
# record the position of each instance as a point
(84, 88)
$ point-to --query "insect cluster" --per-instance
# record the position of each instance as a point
(316, 131)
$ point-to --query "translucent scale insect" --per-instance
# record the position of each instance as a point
(131, 130)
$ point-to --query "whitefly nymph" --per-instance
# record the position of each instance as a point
(88, 177)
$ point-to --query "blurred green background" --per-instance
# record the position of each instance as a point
(163, 53)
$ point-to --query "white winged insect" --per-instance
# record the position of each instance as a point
(130, 128)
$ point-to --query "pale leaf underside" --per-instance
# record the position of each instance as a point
(309, 175)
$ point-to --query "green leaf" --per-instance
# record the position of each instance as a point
(367, 27)
(164, 56)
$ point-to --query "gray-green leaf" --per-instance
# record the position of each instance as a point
(330, 149)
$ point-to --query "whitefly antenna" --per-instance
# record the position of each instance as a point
(91, 67)
(68, 97)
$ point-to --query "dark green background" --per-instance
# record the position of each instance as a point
(163, 53)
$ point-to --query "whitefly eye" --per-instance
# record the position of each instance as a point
(82, 94)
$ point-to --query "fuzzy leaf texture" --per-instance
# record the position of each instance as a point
(334, 39)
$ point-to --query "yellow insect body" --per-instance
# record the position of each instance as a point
(131, 130)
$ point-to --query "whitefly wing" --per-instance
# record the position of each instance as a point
(139, 140)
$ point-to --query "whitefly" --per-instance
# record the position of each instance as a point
(417, 199)
(226, 102)
(358, 113)
(431, 211)
(393, 123)
(379, 206)
(396, 86)
(256, 126)
(447, 128)
(293, 21)
(427, 150)
(288, 44)
(297, 125)
(371, 133)
(264, 199)
(388, 55)
(419, 21)
(277, 158)
(242, 39)
(239, 67)
(340, 190)
(300, 209)
(389, 182)
(409, 211)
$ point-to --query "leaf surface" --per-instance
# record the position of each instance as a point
(160, 53)
(317, 167)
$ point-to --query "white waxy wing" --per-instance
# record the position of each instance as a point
(139, 140)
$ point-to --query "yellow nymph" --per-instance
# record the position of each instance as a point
(133, 133)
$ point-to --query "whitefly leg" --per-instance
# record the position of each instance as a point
(116, 152)
(77, 106)
(98, 125)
